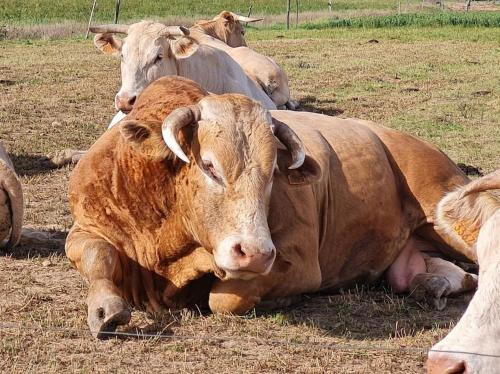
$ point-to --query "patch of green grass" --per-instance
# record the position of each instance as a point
(278, 319)
(485, 19)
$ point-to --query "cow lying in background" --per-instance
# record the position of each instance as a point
(226, 33)
(11, 202)
(227, 27)
(152, 50)
(341, 202)
(473, 344)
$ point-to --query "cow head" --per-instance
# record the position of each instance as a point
(227, 27)
(230, 144)
(472, 346)
(149, 52)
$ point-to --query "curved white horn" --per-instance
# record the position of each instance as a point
(291, 141)
(171, 126)
(103, 29)
(237, 17)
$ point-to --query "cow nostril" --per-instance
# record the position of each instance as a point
(238, 251)
(131, 101)
(445, 364)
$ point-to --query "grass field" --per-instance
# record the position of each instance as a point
(442, 84)
(45, 11)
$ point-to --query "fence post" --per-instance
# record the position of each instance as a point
(117, 10)
(288, 15)
(297, 14)
(330, 6)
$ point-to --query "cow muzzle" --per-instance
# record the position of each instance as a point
(244, 259)
(444, 363)
(125, 103)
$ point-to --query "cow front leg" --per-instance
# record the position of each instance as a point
(98, 261)
(66, 157)
(288, 278)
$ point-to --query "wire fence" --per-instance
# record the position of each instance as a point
(376, 347)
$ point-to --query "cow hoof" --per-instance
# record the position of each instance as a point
(431, 288)
(65, 157)
(105, 316)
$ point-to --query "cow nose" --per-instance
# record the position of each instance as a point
(125, 103)
(442, 363)
(247, 258)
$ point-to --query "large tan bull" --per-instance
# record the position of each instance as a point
(226, 33)
(11, 202)
(189, 184)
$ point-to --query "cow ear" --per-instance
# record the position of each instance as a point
(227, 16)
(108, 44)
(184, 47)
(309, 172)
(145, 138)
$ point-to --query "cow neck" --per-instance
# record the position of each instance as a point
(204, 37)
(151, 186)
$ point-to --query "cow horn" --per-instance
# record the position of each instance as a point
(291, 141)
(103, 29)
(176, 31)
(174, 122)
(488, 182)
(11, 185)
(237, 17)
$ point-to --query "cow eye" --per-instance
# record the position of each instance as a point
(158, 58)
(210, 170)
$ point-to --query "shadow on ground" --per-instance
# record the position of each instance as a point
(315, 105)
(29, 165)
(38, 243)
(368, 312)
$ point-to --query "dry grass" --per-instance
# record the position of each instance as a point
(58, 94)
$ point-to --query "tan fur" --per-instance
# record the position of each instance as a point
(461, 213)
(11, 202)
(225, 28)
(142, 216)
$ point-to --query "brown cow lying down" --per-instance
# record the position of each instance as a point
(11, 202)
(478, 331)
(226, 33)
(333, 202)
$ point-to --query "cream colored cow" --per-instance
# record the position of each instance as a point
(473, 346)
(226, 33)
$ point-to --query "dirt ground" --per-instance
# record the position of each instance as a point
(59, 94)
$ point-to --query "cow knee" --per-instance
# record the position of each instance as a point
(93, 257)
